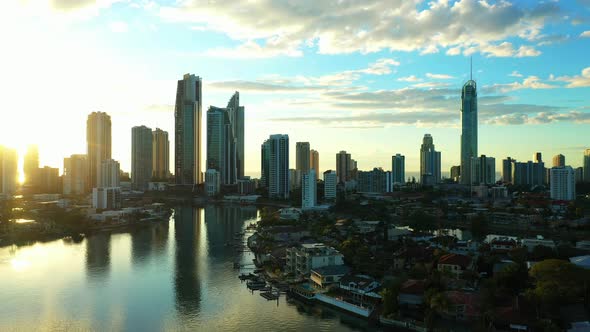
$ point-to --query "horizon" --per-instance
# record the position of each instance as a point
(388, 89)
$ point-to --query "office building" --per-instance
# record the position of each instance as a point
(314, 162)
(110, 174)
(507, 170)
(308, 190)
(275, 166)
(98, 140)
(559, 160)
(468, 129)
(187, 131)
(8, 171)
(563, 183)
(587, 165)
(106, 198)
(160, 155)
(31, 163)
(141, 157)
(343, 164)
(75, 175)
(330, 183)
(398, 169)
(212, 182)
(429, 162)
(483, 170)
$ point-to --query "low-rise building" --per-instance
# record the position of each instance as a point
(108, 198)
(301, 260)
(327, 276)
(411, 293)
(530, 244)
(455, 264)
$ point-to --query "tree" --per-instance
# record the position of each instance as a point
(512, 278)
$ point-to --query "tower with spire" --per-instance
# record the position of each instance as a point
(468, 126)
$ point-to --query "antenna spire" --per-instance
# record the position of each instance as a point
(471, 67)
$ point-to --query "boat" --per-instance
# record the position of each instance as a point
(256, 285)
(259, 270)
(248, 276)
(270, 295)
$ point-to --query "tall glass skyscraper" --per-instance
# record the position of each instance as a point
(236, 116)
(468, 129)
(98, 139)
(187, 131)
(430, 162)
(141, 157)
(275, 166)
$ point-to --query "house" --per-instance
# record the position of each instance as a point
(581, 261)
(406, 258)
(395, 233)
(464, 306)
(502, 244)
(289, 213)
(530, 244)
(301, 260)
(326, 276)
(367, 226)
(411, 293)
(455, 264)
(361, 287)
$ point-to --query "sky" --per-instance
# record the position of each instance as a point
(368, 77)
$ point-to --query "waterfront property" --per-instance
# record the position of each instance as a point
(301, 260)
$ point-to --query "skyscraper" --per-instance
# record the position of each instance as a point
(141, 157)
(398, 168)
(343, 163)
(302, 163)
(236, 115)
(330, 183)
(47, 180)
(483, 170)
(222, 144)
(75, 175)
(98, 139)
(31, 163)
(160, 154)
(429, 162)
(110, 172)
(212, 182)
(563, 183)
(308, 190)
(8, 170)
(468, 129)
(455, 173)
(559, 160)
(275, 166)
(374, 181)
(187, 131)
(314, 162)
(587, 165)
(538, 157)
(507, 170)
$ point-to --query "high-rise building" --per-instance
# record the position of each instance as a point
(468, 129)
(579, 174)
(374, 181)
(106, 198)
(528, 173)
(314, 162)
(212, 182)
(538, 157)
(302, 156)
(221, 145)
(110, 174)
(429, 162)
(308, 190)
(343, 164)
(559, 160)
(236, 115)
(587, 165)
(98, 139)
(330, 183)
(187, 131)
(8, 170)
(275, 166)
(507, 170)
(455, 173)
(398, 169)
(75, 175)
(47, 180)
(141, 157)
(160, 155)
(31, 163)
(483, 170)
(563, 183)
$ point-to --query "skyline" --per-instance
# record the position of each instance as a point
(325, 90)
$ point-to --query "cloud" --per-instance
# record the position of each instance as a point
(411, 78)
(577, 81)
(272, 28)
(585, 34)
(439, 76)
(515, 74)
(118, 27)
(531, 82)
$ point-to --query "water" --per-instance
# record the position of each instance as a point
(172, 276)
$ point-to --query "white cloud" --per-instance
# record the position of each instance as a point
(287, 27)
(439, 76)
(515, 74)
(118, 27)
(531, 82)
(585, 34)
(411, 78)
(577, 81)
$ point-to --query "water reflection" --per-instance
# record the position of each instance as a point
(223, 222)
(187, 222)
(98, 256)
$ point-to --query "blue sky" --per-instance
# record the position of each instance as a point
(369, 77)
